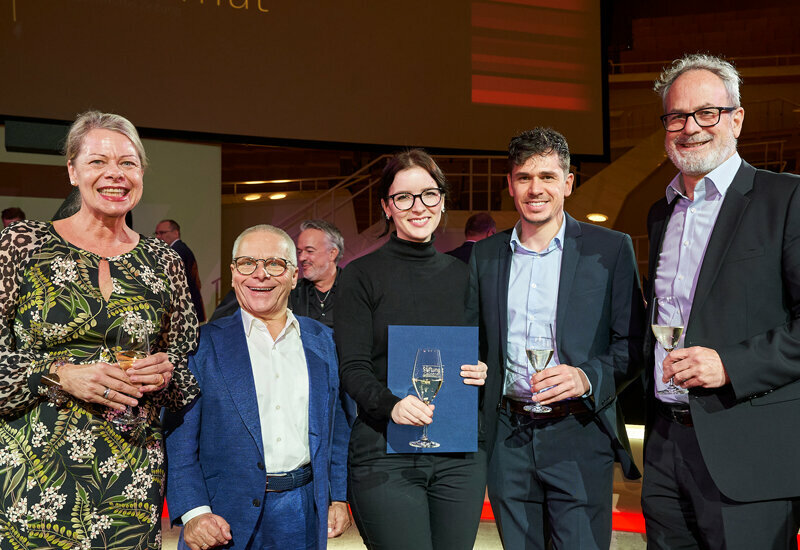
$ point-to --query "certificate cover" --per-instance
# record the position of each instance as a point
(455, 418)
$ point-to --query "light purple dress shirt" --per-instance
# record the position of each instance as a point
(684, 246)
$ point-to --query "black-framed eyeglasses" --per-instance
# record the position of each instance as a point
(275, 267)
(405, 201)
(705, 117)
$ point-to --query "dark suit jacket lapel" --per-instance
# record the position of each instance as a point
(317, 388)
(657, 230)
(503, 276)
(730, 215)
(233, 359)
(570, 256)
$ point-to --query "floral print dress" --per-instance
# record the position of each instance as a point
(69, 477)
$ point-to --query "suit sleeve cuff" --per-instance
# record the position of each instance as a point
(194, 512)
(589, 391)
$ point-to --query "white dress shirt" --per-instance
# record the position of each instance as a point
(280, 375)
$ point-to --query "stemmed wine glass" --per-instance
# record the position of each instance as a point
(539, 347)
(427, 378)
(667, 324)
(132, 344)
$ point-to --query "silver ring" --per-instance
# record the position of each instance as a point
(105, 393)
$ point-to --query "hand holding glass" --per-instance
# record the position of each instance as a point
(131, 346)
(427, 378)
(539, 347)
(667, 324)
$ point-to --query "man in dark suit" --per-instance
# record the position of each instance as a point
(551, 474)
(170, 232)
(721, 461)
(478, 227)
(259, 460)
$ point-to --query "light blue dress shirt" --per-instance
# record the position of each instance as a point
(532, 297)
(684, 246)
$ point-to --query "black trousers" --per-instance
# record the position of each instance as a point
(684, 509)
(551, 482)
(418, 501)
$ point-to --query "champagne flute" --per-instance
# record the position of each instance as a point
(427, 377)
(539, 347)
(667, 324)
(132, 344)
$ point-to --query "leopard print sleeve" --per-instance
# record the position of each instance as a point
(179, 334)
(21, 368)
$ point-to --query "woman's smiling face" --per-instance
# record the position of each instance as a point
(418, 222)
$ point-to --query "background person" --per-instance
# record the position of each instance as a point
(170, 232)
(320, 248)
(404, 501)
(11, 215)
(269, 406)
(68, 288)
(478, 227)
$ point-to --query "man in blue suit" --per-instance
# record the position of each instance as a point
(259, 460)
(550, 474)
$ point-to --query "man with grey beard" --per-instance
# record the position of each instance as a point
(721, 443)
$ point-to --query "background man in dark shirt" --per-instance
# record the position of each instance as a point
(320, 247)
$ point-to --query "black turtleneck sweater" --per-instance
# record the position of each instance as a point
(401, 283)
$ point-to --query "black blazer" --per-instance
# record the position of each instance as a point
(462, 251)
(599, 315)
(747, 308)
(192, 277)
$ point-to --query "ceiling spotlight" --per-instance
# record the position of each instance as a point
(277, 196)
(252, 197)
(596, 217)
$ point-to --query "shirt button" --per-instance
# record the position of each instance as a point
(256, 502)
(278, 440)
(691, 210)
(260, 465)
(680, 277)
(533, 285)
(685, 243)
(277, 407)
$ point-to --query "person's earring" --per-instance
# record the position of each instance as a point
(387, 216)
(442, 209)
(72, 183)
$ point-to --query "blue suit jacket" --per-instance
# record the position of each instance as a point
(215, 456)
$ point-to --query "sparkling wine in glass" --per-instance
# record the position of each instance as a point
(132, 344)
(667, 324)
(539, 347)
(427, 378)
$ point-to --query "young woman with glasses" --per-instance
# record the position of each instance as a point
(420, 501)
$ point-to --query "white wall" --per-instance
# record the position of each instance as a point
(181, 183)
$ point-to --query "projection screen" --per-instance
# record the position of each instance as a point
(436, 73)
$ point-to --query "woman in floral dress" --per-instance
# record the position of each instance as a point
(70, 477)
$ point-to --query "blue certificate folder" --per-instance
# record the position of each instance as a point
(455, 418)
